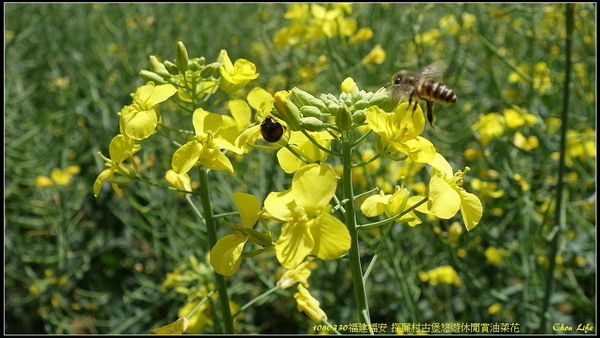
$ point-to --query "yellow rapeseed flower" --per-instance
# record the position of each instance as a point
(489, 127)
(441, 275)
(308, 226)
(375, 56)
(139, 120)
(495, 256)
(309, 305)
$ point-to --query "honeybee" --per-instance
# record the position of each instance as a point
(422, 87)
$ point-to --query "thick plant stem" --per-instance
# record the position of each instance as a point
(559, 220)
(212, 239)
(354, 254)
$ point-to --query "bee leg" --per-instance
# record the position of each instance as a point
(430, 117)
(410, 101)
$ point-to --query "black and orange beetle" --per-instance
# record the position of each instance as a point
(271, 130)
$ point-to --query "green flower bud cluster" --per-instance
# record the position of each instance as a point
(309, 112)
(355, 104)
(172, 72)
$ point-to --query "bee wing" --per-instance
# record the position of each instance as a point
(398, 91)
(434, 70)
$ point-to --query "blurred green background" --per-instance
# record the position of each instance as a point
(76, 264)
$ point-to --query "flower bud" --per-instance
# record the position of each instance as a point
(310, 111)
(288, 111)
(343, 119)
(194, 66)
(306, 99)
(332, 108)
(381, 100)
(361, 104)
(151, 76)
(155, 65)
(359, 116)
(171, 68)
(312, 123)
(181, 58)
(210, 69)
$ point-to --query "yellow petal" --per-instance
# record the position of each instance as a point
(225, 60)
(294, 244)
(249, 207)
(411, 219)
(205, 122)
(247, 137)
(308, 304)
(186, 157)
(213, 158)
(440, 163)
(142, 124)
(258, 98)
(312, 152)
(314, 186)
(444, 201)
(288, 161)
(44, 181)
(240, 110)
(104, 175)
(177, 327)
(225, 255)
(375, 205)
(349, 86)
(244, 70)
(116, 188)
(145, 91)
(179, 181)
(159, 94)
(471, 209)
(298, 275)
(120, 148)
(377, 119)
(397, 203)
(280, 205)
(416, 199)
(61, 177)
(419, 149)
(331, 237)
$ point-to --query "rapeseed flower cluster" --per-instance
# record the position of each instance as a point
(193, 81)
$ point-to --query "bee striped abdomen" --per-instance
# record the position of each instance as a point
(436, 91)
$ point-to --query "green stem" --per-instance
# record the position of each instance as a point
(311, 139)
(257, 299)
(354, 254)
(372, 159)
(393, 218)
(559, 220)
(211, 230)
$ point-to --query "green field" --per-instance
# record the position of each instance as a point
(524, 125)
